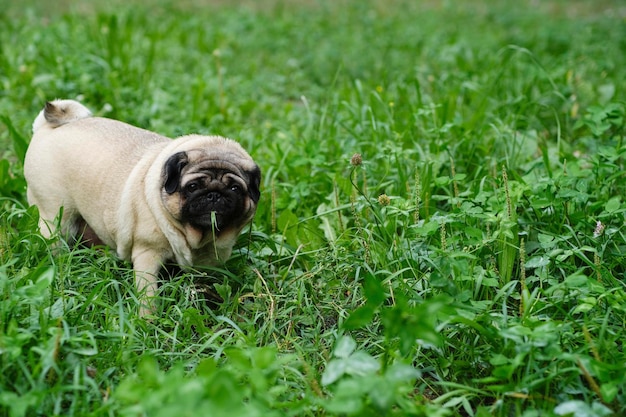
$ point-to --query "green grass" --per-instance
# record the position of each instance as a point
(472, 264)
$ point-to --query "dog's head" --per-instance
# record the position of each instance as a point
(212, 189)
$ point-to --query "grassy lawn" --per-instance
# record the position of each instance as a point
(441, 232)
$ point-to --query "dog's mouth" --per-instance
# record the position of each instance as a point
(212, 210)
(213, 222)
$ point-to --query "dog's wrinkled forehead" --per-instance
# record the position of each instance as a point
(222, 160)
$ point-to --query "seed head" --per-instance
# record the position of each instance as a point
(599, 229)
(356, 160)
(384, 200)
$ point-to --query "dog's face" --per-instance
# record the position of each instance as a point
(212, 190)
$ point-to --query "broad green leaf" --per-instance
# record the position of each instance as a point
(344, 347)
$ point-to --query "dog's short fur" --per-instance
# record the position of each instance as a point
(151, 198)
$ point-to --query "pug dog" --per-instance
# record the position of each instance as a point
(151, 198)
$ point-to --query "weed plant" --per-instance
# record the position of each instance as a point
(442, 230)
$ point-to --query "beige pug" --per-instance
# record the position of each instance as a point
(152, 199)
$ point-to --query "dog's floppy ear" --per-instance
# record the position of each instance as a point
(172, 170)
(254, 186)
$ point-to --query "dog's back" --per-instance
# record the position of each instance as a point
(80, 162)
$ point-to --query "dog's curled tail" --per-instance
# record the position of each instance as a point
(59, 112)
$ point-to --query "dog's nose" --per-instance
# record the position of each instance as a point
(213, 197)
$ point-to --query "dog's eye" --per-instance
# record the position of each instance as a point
(191, 187)
(235, 188)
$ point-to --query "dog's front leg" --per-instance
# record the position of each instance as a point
(146, 264)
